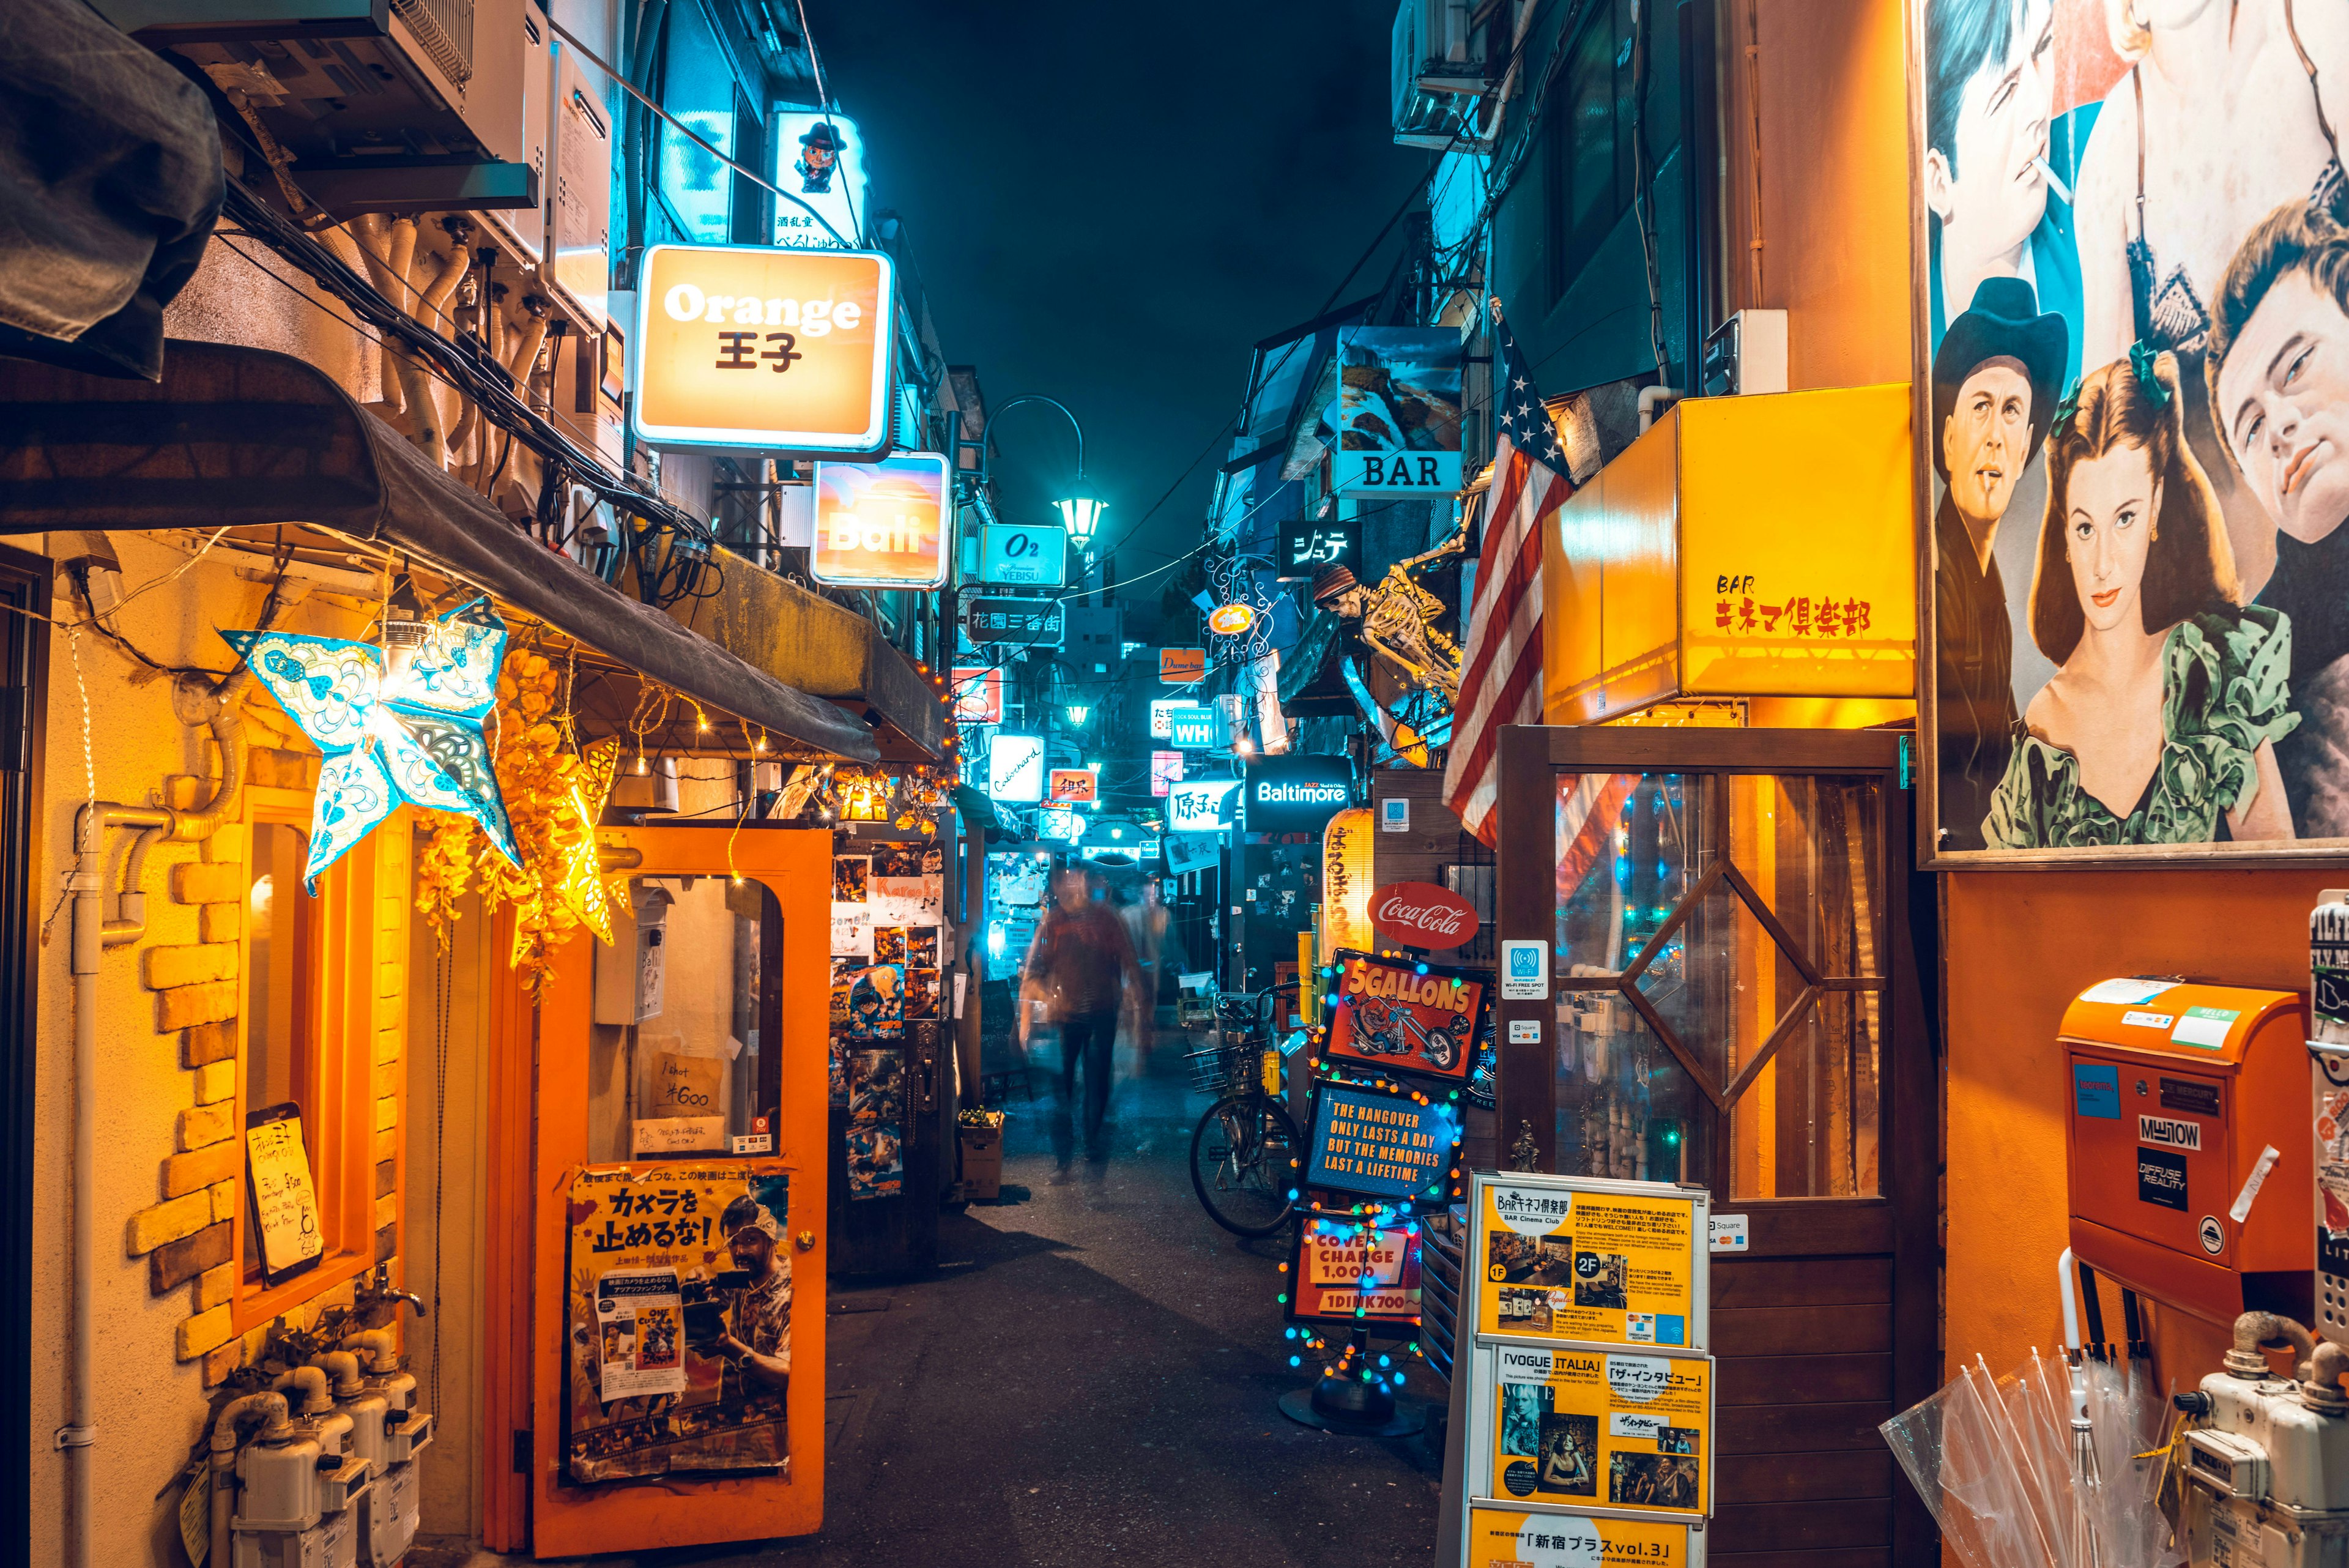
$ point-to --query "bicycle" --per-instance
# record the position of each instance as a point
(1244, 1150)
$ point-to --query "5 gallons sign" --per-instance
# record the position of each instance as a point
(755, 347)
(1393, 1017)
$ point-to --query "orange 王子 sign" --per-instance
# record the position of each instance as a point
(752, 346)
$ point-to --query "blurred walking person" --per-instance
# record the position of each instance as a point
(1080, 967)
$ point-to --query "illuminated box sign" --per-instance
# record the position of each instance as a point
(1377, 1145)
(1162, 715)
(758, 348)
(1018, 623)
(1014, 769)
(1074, 786)
(978, 696)
(882, 524)
(1165, 770)
(1397, 413)
(1199, 807)
(1195, 729)
(820, 160)
(1182, 666)
(1306, 549)
(1297, 794)
(1029, 557)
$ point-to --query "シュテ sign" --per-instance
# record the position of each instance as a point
(764, 349)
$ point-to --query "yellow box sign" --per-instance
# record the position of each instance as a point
(763, 348)
(1612, 1267)
(883, 524)
(1599, 1427)
(1506, 1537)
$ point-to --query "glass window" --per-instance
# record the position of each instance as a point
(1720, 954)
(683, 1059)
(281, 920)
(1590, 144)
(698, 87)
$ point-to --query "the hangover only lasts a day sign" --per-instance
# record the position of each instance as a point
(1379, 1145)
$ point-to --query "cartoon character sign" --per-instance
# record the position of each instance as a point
(1405, 1017)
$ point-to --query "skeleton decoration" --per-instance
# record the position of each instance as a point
(1398, 621)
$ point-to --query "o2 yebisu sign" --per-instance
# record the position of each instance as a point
(756, 348)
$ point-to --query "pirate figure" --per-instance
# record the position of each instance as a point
(1398, 621)
(819, 151)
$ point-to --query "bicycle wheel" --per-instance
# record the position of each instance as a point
(1243, 1156)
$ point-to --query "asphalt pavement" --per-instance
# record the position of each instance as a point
(1089, 1378)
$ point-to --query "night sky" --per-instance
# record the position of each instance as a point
(1109, 204)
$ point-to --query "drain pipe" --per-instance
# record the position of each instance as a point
(275, 1427)
(92, 934)
(1651, 399)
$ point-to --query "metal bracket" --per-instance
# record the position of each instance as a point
(75, 1438)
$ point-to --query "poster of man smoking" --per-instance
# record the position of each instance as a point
(2134, 281)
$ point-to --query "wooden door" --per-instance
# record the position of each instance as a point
(1734, 999)
(748, 914)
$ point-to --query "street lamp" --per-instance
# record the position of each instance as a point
(1078, 714)
(1081, 517)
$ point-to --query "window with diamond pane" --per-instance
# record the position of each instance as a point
(1719, 954)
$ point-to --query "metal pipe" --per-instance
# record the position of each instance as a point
(310, 1382)
(340, 1365)
(276, 1424)
(2320, 1389)
(191, 826)
(379, 1347)
(2254, 1329)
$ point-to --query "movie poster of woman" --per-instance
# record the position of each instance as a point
(2135, 274)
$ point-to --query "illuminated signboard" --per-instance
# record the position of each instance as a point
(1306, 548)
(753, 347)
(1378, 1145)
(1014, 622)
(1014, 769)
(1162, 715)
(978, 696)
(1182, 666)
(1074, 785)
(1199, 807)
(820, 160)
(883, 524)
(1165, 770)
(1231, 620)
(1297, 794)
(1396, 416)
(1032, 558)
(1195, 729)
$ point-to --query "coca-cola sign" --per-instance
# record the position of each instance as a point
(1422, 915)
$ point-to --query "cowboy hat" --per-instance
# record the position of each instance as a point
(2003, 322)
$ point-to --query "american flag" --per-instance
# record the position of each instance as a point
(1501, 681)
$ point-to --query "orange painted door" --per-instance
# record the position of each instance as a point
(683, 1063)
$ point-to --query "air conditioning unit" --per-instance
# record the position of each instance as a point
(1440, 74)
(387, 106)
(579, 198)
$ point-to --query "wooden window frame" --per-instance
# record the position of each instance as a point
(339, 1077)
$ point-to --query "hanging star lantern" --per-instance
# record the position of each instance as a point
(585, 890)
(401, 722)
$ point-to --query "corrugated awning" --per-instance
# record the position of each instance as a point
(243, 436)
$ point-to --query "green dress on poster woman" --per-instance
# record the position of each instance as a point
(2223, 691)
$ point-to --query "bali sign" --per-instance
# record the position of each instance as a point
(882, 524)
(1423, 915)
(765, 349)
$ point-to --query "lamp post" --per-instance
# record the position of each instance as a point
(1080, 514)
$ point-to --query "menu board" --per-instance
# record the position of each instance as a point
(1606, 1262)
(1566, 1424)
(284, 1198)
(1504, 1538)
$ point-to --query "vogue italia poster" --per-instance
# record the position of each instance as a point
(2135, 372)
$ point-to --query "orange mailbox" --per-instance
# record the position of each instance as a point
(2192, 1175)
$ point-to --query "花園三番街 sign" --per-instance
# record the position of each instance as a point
(990, 621)
(882, 524)
(764, 349)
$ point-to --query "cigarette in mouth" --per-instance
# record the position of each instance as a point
(2053, 182)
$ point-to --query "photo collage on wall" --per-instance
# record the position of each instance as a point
(2136, 349)
(887, 916)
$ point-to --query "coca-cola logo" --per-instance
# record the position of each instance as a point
(1422, 915)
